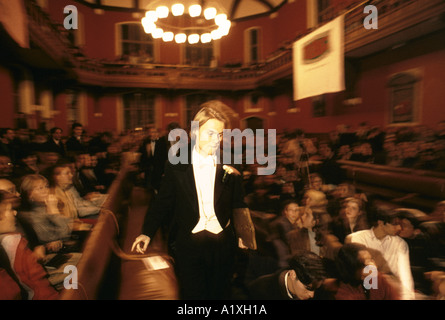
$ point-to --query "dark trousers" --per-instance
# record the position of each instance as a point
(204, 265)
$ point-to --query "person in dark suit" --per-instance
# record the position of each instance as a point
(154, 151)
(200, 195)
(55, 143)
(74, 144)
(281, 226)
(304, 275)
(8, 146)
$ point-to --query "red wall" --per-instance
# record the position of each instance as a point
(427, 54)
(6, 98)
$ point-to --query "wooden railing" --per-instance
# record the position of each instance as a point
(419, 189)
(394, 15)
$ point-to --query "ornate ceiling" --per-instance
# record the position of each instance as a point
(235, 9)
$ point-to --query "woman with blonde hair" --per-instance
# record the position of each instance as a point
(40, 212)
(72, 205)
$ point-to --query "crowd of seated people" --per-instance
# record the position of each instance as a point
(59, 184)
(417, 147)
(306, 207)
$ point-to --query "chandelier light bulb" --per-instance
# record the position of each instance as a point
(162, 12)
(193, 38)
(157, 33)
(151, 16)
(178, 9)
(210, 13)
(148, 25)
(180, 38)
(225, 27)
(215, 20)
(167, 36)
(206, 37)
(216, 34)
(195, 10)
(220, 18)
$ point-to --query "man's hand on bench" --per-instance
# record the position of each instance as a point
(141, 243)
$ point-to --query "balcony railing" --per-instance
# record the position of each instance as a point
(394, 15)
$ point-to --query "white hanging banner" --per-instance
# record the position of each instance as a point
(318, 61)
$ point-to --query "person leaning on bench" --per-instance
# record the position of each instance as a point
(202, 203)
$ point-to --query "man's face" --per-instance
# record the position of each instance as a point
(7, 221)
(292, 212)
(302, 291)
(317, 183)
(325, 151)
(5, 165)
(307, 219)
(10, 135)
(392, 228)
(78, 131)
(57, 135)
(407, 229)
(153, 133)
(210, 136)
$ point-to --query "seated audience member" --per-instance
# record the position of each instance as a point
(357, 273)
(362, 152)
(39, 211)
(84, 177)
(337, 196)
(55, 143)
(21, 275)
(73, 206)
(352, 218)
(6, 167)
(8, 145)
(109, 164)
(46, 159)
(343, 152)
(303, 276)
(281, 226)
(75, 143)
(27, 164)
(420, 248)
(288, 192)
(316, 182)
(40, 214)
(437, 279)
(261, 199)
(383, 237)
(329, 169)
(317, 202)
(33, 243)
(304, 238)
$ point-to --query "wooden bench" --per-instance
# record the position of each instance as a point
(419, 189)
(106, 271)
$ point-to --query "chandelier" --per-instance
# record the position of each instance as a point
(186, 20)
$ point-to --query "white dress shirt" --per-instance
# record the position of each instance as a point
(396, 253)
(204, 170)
